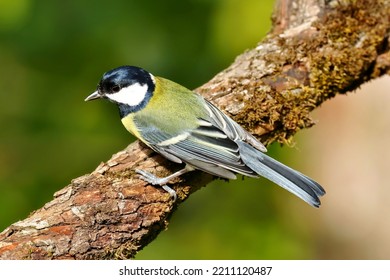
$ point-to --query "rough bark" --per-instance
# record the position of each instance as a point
(316, 50)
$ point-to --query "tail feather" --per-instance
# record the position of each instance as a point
(286, 177)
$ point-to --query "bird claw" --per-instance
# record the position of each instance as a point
(172, 192)
(154, 180)
(151, 178)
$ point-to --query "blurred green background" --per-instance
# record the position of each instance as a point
(52, 55)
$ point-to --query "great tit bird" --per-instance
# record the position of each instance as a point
(185, 128)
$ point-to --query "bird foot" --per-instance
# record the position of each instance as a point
(154, 180)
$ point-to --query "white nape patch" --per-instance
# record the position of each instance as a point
(153, 79)
(132, 95)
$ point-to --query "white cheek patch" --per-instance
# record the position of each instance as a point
(132, 95)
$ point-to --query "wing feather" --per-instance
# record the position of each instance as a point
(233, 130)
(195, 151)
(207, 147)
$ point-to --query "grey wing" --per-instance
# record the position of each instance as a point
(233, 130)
(206, 148)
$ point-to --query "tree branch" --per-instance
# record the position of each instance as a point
(316, 50)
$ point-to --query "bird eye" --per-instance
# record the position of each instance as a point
(115, 88)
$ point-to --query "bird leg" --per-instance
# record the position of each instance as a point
(154, 180)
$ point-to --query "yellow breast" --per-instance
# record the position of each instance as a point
(128, 123)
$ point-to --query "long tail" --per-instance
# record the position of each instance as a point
(286, 177)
